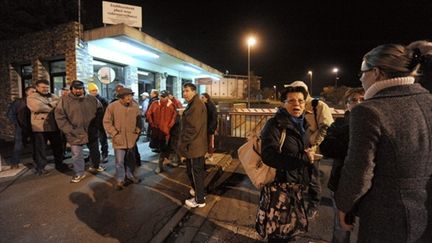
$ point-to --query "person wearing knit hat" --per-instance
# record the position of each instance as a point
(103, 140)
(319, 117)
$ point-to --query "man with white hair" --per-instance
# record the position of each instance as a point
(319, 117)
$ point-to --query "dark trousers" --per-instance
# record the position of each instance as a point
(314, 190)
(196, 172)
(103, 141)
(40, 144)
(93, 146)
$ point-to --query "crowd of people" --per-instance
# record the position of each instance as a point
(382, 168)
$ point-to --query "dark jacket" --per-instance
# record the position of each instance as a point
(292, 164)
(388, 169)
(211, 117)
(78, 118)
(335, 145)
(193, 133)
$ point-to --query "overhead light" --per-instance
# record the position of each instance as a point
(189, 68)
(133, 49)
(208, 76)
(143, 73)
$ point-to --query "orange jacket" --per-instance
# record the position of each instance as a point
(162, 115)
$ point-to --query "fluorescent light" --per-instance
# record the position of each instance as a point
(133, 49)
(143, 73)
(189, 68)
(96, 62)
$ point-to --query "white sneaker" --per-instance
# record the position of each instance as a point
(193, 204)
(192, 192)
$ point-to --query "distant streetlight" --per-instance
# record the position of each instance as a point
(275, 91)
(335, 71)
(250, 42)
(310, 79)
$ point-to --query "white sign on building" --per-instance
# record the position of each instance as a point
(116, 13)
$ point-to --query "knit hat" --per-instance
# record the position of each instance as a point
(76, 84)
(145, 94)
(124, 91)
(299, 84)
(92, 86)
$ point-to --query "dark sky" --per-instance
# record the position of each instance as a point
(293, 36)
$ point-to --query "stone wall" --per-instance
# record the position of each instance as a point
(36, 49)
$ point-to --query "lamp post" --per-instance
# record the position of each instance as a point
(310, 79)
(275, 92)
(250, 42)
(336, 70)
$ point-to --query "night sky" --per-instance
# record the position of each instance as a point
(293, 36)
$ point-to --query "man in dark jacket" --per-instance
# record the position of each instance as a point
(193, 143)
(94, 91)
(78, 116)
(211, 123)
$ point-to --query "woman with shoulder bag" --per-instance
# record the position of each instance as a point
(281, 214)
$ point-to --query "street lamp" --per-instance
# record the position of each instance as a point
(250, 42)
(310, 79)
(275, 91)
(336, 70)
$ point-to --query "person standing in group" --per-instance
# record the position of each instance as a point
(211, 123)
(144, 105)
(387, 173)
(281, 215)
(175, 101)
(122, 121)
(22, 129)
(193, 143)
(161, 116)
(154, 96)
(335, 145)
(319, 117)
(94, 91)
(42, 104)
(78, 115)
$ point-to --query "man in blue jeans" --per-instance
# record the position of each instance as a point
(78, 116)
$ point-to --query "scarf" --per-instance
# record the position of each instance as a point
(298, 123)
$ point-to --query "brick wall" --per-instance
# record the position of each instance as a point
(35, 48)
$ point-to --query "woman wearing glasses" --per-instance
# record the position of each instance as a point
(281, 214)
(388, 169)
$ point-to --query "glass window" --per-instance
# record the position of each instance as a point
(26, 76)
(169, 84)
(58, 67)
(107, 90)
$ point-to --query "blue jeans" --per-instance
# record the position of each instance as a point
(78, 159)
(120, 165)
(339, 235)
(18, 146)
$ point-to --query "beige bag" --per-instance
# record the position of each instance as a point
(249, 155)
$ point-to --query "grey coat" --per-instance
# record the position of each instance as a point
(388, 170)
(193, 134)
(78, 117)
(42, 112)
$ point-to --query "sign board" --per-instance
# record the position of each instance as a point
(106, 75)
(117, 13)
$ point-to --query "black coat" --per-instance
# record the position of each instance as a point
(292, 164)
(211, 117)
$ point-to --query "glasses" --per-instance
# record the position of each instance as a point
(359, 99)
(364, 71)
(294, 101)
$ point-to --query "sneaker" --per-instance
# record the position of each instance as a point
(104, 159)
(77, 178)
(174, 164)
(158, 170)
(192, 192)
(312, 213)
(193, 204)
(96, 170)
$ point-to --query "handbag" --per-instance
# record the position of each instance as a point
(250, 157)
(281, 213)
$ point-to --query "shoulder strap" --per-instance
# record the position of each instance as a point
(314, 107)
(282, 140)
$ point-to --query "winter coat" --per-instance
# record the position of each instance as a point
(162, 116)
(78, 118)
(42, 112)
(292, 163)
(211, 117)
(193, 133)
(335, 145)
(318, 122)
(123, 124)
(388, 169)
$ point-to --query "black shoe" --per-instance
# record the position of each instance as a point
(132, 180)
(104, 159)
(62, 167)
(312, 213)
(42, 172)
